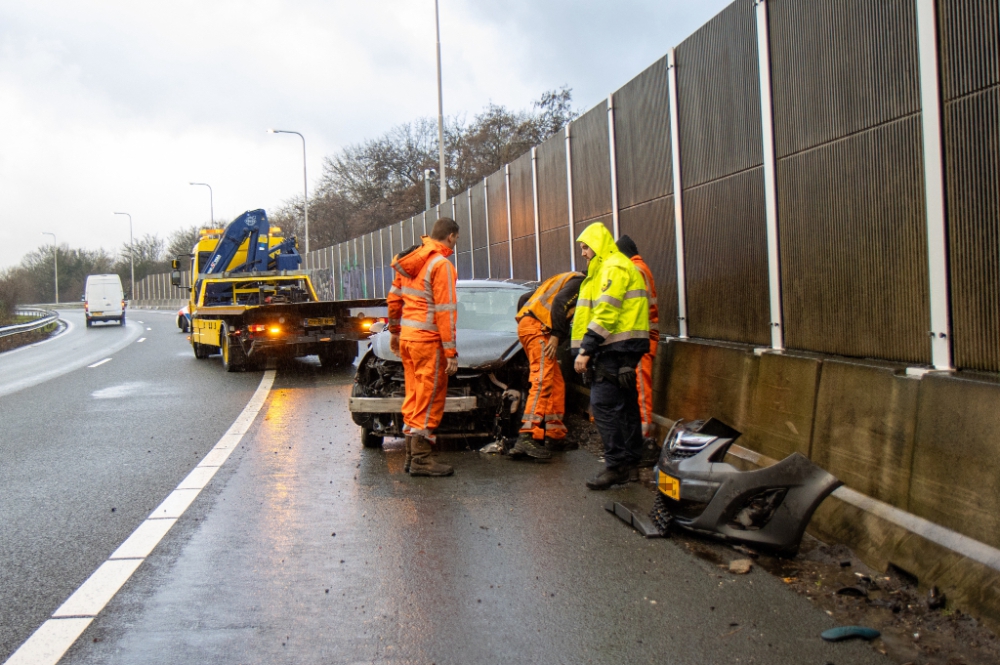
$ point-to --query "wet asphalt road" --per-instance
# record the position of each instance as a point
(306, 548)
(87, 453)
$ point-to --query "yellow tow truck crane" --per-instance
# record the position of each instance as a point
(249, 301)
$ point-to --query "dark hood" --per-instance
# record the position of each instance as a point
(477, 349)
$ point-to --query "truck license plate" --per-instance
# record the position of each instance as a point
(323, 321)
(670, 486)
(97, 313)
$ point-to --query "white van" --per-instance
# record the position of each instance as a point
(103, 299)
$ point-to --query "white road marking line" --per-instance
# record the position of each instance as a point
(98, 590)
(143, 540)
(50, 642)
(140, 340)
(146, 328)
(99, 363)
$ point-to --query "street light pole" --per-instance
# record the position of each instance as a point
(441, 171)
(131, 255)
(211, 203)
(427, 188)
(55, 260)
(305, 181)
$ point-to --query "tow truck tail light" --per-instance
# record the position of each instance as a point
(256, 328)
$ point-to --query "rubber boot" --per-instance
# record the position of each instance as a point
(526, 446)
(409, 454)
(422, 464)
(605, 479)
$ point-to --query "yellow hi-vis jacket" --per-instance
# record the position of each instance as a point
(612, 312)
(546, 298)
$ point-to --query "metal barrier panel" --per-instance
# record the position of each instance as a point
(524, 258)
(970, 68)
(642, 137)
(496, 194)
(651, 226)
(719, 97)
(500, 260)
(725, 255)
(338, 266)
(591, 147)
(555, 251)
(479, 220)
(553, 204)
(522, 209)
(461, 204)
(464, 261)
(407, 233)
(851, 212)
(446, 209)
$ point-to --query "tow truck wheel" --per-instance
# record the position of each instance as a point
(233, 358)
(369, 440)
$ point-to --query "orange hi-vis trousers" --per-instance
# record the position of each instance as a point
(543, 412)
(644, 383)
(424, 368)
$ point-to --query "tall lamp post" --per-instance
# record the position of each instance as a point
(427, 188)
(55, 260)
(211, 203)
(305, 182)
(131, 255)
(441, 171)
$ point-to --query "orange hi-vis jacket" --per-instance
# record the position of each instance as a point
(422, 302)
(541, 302)
(654, 314)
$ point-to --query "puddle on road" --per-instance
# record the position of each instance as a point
(132, 389)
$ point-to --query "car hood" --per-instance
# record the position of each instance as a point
(477, 349)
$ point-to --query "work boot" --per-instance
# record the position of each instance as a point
(526, 446)
(650, 453)
(421, 463)
(409, 454)
(605, 479)
(560, 445)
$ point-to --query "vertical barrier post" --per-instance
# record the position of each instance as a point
(381, 257)
(770, 176)
(472, 238)
(612, 150)
(675, 148)
(569, 201)
(937, 249)
(534, 201)
(486, 205)
(510, 232)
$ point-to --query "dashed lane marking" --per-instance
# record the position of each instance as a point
(99, 363)
(148, 328)
(50, 642)
(140, 340)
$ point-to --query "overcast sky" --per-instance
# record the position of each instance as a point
(108, 105)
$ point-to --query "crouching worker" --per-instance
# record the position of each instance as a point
(542, 323)
(422, 319)
(610, 336)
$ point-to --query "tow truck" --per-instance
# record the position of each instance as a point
(249, 301)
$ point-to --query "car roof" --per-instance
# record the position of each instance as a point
(516, 284)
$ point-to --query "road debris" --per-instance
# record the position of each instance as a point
(740, 566)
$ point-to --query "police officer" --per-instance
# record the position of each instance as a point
(610, 336)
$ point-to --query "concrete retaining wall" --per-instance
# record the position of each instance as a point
(925, 444)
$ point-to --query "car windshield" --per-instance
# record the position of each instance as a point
(488, 309)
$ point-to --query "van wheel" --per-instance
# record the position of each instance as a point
(201, 351)
(233, 357)
(369, 440)
(123, 319)
(89, 323)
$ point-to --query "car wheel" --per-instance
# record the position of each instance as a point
(233, 358)
(122, 321)
(89, 323)
(201, 351)
(369, 440)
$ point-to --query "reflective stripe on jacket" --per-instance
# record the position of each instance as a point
(654, 313)
(540, 303)
(612, 312)
(423, 302)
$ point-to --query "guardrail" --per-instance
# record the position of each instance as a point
(44, 317)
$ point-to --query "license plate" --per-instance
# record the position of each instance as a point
(323, 321)
(97, 313)
(670, 486)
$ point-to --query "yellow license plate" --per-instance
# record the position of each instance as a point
(670, 486)
(97, 313)
(323, 321)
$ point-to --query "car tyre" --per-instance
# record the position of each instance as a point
(89, 323)
(122, 320)
(369, 440)
(201, 351)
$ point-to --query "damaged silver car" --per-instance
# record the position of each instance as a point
(485, 398)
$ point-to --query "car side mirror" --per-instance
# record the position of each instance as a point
(175, 277)
(377, 327)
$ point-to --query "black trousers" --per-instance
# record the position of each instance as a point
(616, 409)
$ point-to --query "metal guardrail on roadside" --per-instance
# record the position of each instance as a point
(44, 317)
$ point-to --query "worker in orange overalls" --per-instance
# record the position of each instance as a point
(423, 312)
(542, 323)
(650, 451)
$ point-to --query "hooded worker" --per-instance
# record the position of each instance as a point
(650, 451)
(423, 313)
(610, 336)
